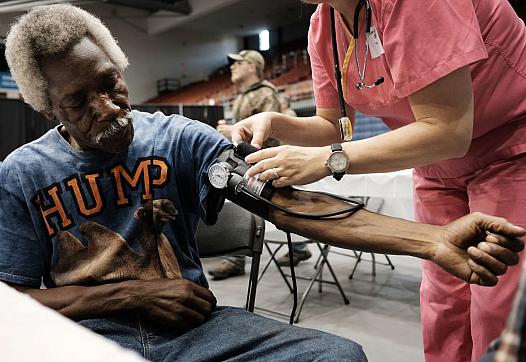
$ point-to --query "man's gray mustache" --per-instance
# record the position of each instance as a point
(113, 128)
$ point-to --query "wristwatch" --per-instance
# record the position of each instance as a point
(338, 162)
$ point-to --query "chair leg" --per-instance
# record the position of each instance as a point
(273, 259)
(317, 262)
(305, 294)
(373, 256)
(336, 281)
(318, 276)
(389, 261)
(268, 262)
(320, 283)
(253, 282)
(322, 264)
(356, 264)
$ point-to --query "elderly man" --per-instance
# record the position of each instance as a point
(83, 209)
(77, 208)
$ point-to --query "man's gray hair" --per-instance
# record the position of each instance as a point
(49, 30)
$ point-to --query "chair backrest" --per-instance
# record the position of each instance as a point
(236, 232)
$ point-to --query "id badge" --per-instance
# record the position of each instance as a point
(345, 129)
(375, 45)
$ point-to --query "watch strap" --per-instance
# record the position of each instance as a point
(338, 175)
(336, 147)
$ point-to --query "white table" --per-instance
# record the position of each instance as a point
(394, 188)
(31, 332)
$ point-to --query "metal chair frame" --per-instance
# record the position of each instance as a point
(319, 265)
(316, 277)
(222, 239)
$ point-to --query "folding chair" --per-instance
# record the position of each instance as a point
(236, 232)
(279, 237)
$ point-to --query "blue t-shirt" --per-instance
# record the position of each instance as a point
(73, 217)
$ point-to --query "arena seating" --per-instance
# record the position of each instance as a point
(287, 68)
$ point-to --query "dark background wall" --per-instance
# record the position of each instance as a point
(20, 124)
(520, 8)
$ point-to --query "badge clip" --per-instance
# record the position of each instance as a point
(345, 129)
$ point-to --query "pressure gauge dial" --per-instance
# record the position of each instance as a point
(218, 174)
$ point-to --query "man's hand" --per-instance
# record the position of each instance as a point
(224, 128)
(176, 303)
(477, 248)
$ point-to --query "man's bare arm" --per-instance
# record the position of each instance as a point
(80, 302)
(178, 303)
(475, 248)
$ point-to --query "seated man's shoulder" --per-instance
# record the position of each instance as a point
(172, 127)
(161, 122)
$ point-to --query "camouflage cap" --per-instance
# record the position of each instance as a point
(251, 56)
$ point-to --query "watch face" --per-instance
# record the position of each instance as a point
(218, 175)
(338, 161)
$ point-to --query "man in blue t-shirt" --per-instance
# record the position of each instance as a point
(104, 209)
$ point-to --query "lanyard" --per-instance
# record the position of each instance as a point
(361, 72)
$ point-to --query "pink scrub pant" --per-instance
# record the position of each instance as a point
(460, 320)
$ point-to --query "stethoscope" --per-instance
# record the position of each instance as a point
(361, 72)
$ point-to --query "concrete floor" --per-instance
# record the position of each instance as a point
(383, 313)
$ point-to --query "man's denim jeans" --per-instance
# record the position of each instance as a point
(231, 334)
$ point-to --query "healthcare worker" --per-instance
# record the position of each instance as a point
(449, 77)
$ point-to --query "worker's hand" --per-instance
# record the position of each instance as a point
(289, 165)
(224, 128)
(254, 129)
(175, 303)
(477, 248)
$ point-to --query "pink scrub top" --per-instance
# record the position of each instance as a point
(424, 40)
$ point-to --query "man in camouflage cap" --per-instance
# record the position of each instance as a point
(256, 95)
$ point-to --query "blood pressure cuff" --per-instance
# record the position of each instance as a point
(236, 159)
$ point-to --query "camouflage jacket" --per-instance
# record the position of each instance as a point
(260, 97)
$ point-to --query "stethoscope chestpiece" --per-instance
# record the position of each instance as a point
(361, 85)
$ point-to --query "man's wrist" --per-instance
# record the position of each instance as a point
(427, 245)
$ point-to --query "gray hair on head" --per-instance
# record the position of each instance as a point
(50, 30)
